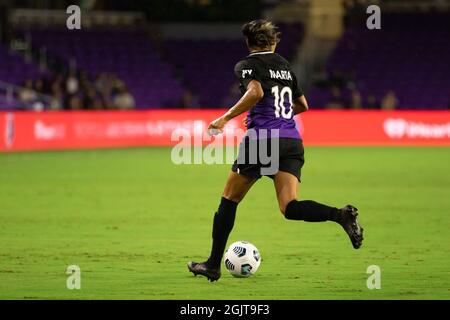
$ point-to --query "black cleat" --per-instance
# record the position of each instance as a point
(350, 224)
(204, 270)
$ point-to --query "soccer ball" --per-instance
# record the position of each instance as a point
(242, 259)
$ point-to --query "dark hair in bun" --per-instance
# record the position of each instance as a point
(260, 34)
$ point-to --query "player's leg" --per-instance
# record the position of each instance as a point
(286, 185)
(235, 190)
(237, 186)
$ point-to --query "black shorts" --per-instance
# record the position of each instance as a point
(290, 158)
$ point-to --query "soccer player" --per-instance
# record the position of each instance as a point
(272, 96)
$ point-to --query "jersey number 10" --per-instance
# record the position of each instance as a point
(280, 109)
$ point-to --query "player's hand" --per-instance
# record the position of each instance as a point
(217, 126)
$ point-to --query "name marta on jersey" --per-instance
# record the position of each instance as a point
(278, 74)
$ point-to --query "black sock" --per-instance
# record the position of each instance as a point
(223, 224)
(311, 211)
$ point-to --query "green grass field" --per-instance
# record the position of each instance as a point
(131, 220)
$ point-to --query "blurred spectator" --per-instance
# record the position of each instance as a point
(27, 94)
(188, 100)
(350, 81)
(104, 84)
(39, 86)
(100, 82)
(372, 102)
(74, 102)
(76, 91)
(389, 101)
(55, 103)
(356, 102)
(72, 83)
(336, 101)
(123, 99)
(56, 93)
(91, 100)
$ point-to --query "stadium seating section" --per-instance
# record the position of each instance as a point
(410, 55)
(128, 54)
(400, 57)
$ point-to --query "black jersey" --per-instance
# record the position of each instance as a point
(280, 88)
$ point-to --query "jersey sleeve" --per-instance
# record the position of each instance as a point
(296, 90)
(247, 71)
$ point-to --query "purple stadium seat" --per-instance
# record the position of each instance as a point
(408, 55)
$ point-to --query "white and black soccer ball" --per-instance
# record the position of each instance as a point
(242, 259)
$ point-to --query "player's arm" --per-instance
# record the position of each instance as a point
(300, 105)
(250, 98)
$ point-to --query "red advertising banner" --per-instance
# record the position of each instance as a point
(376, 128)
(105, 129)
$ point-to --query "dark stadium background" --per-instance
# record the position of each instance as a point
(166, 55)
(180, 54)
